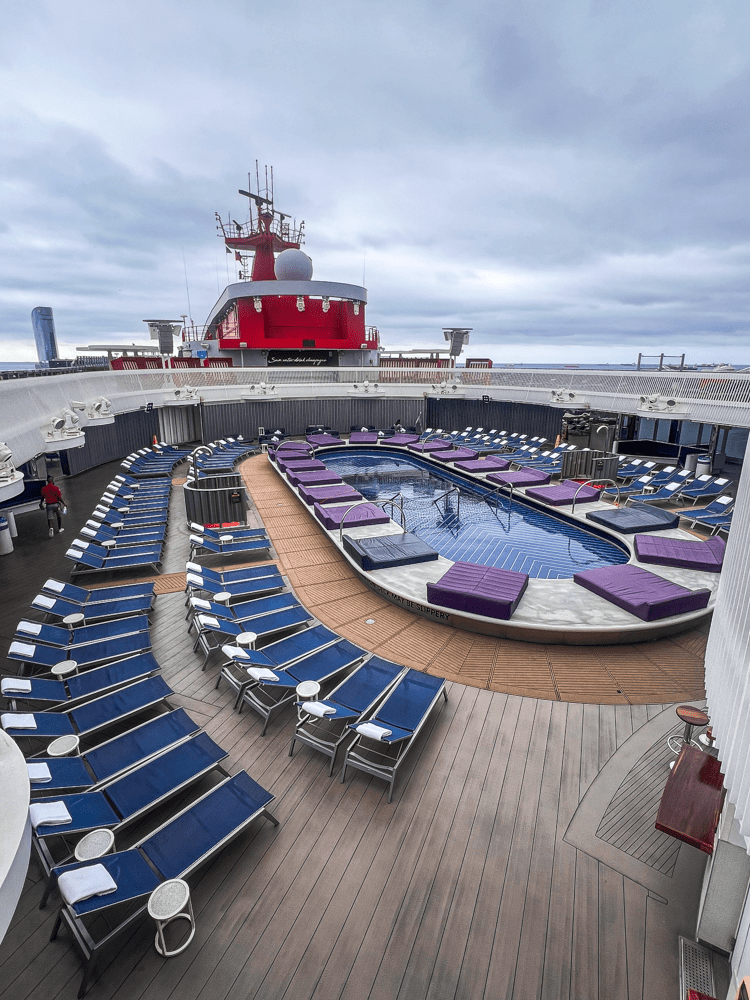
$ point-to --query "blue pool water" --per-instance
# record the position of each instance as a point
(471, 529)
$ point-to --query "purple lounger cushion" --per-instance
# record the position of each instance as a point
(329, 494)
(402, 439)
(523, 477)
(644, 594)
(479, 590)
(456, 455)
(428, 446)
(299, 464)
(318, 477)
(330, 517)
(493, 463)
(322, 440)
(363, 437)
(564, 493)
(707, 556)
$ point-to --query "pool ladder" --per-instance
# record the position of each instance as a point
(444, 496)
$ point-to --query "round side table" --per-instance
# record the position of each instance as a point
(64, 668)
(308, 690)
(72, 620)
(246, 640)
(63, 746)
(94, 844)
(171, 901)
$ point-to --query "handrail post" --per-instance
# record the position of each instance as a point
(588, 483)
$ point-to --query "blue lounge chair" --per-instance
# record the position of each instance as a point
(230, 575)
(243, 612)
(68, 638)
(111, 551)
(199, 584)
(268, 697)
(115, 756)
(136, 503)
(36, 655)
(667, 494)
(199, 543)
(81, 595)
(279, 654)
(182, 844)
(101, 533)
(58, 608)
(352, 701)
(704, 488)
(86, 719)
(216, 632)
(235, 533)
(399, 719)
(636, 486)
(127, 798)
(717, 511)
(90, 562)
(79, 687)
(105, 515)
(636, 468)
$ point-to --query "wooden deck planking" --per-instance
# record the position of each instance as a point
(463, 887)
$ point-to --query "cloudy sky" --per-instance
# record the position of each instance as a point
(568, 179)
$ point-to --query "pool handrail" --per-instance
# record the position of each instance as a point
(296, 444)
(453, 489)
(396, 501)
(344, 516)
(597, 479)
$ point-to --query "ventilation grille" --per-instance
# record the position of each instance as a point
(696, 971)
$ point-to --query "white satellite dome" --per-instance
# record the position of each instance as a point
(293, 265)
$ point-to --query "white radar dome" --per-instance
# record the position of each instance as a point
(293, 265)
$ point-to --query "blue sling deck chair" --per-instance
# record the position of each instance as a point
(231, 575)
(382, 743)
(57, 608)
(207, 546)
(666, 494)
(214, 632)
(281, 653)
(101, 533)
(88, 562)
(136, 502)
(704, 488)
(177, 848)
(201, 583)
(324, 725)
(78, 687)
(110, 550)
(89, 718)
(270, 694)
(125, 799)
(83, 635)
(33, 655)
(237, 532)
(114, 757)
(240, 612)
(105, 515)
(82, 595)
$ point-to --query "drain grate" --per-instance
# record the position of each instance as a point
(696, 970)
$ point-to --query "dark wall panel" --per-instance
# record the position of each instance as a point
(104, 444)
(526, 418)
(294, 415)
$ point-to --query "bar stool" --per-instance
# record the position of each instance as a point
(64, 746)
(693, 718)
(94, 844)
(171, 901)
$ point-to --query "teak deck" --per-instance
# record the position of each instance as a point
(497, 871)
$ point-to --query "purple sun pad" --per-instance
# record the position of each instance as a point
(329, 494)
(456, 455)
(479, 590)
(299, 464)
(363, 437)
(318, 477)
(330, 517)
(428, 446)
(323, 440)
(564, 493)
(402, 440)
(490, 464)
(707, 556)
(645, 595)
(524, 477)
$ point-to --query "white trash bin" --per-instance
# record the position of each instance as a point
(703, 466)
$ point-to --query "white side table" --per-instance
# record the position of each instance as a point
(246, 640)
(64, 746)
(65, 668)
(171, 901)
(94, 844)
(72, 620)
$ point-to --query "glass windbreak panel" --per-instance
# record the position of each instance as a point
(476, 524)
(689, 433)
(736, 444)
(646, 429)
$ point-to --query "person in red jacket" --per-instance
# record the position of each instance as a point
(52, 499)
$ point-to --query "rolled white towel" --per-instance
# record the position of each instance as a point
(14, 720)
(262, 674)
(83, 883)
(318, 708)
(15, 685)
(54, 585)
(373, 731)
(193, 578)
(48, 814)
(198, 602)
(38, 773)
(234, 652)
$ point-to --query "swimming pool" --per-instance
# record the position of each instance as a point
(469, 528)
